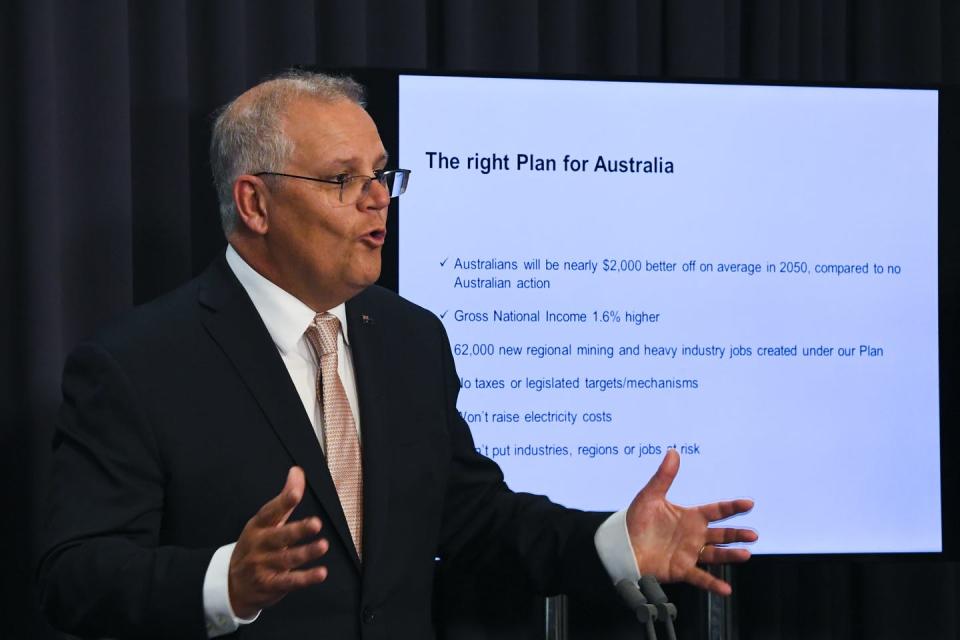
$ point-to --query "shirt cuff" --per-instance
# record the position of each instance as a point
(613, 546)
(216, 595)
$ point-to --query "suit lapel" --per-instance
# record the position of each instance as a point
(236, 326)
(366, 332)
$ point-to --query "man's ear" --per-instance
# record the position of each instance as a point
(250, 199)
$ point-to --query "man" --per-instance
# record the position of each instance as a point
(282, 360)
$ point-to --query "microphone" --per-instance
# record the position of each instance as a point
(646, 613)
(666, 611)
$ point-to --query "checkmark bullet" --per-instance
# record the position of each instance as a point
(444, 261)
(444, 314)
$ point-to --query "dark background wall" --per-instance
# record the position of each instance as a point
(106, 196)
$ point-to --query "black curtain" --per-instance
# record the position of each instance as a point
(107, 198)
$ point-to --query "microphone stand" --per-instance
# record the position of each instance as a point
(646, 613)
(666, 611)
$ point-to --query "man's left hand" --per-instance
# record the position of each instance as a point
(669, 540)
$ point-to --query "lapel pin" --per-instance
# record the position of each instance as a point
(365, 319)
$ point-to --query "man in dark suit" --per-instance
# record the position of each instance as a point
(281, 360)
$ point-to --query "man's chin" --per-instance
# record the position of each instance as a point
(366, 279)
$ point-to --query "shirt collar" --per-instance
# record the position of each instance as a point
(285, 316)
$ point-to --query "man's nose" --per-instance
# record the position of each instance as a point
(377, 196)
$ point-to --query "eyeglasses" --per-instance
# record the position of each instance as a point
(353, 188)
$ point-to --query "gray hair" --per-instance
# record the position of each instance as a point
(248, 134)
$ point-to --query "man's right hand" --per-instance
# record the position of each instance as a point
(264, 565)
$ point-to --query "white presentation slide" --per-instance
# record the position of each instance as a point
(745, 273)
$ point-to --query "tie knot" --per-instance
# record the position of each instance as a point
(323, 333)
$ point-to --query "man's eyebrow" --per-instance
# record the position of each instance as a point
(345, 162)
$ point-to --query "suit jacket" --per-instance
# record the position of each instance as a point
(180, 421)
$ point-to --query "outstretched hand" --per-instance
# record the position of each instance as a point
(669, 540)
(267, 562)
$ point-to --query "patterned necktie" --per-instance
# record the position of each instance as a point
(341, 442)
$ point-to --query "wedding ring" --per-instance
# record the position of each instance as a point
(700, 553)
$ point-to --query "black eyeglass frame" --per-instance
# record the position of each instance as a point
(380, 175)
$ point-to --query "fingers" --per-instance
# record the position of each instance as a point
(289, 558)
(263, 570)
(276, 511)
(660, 483)
(261, 588)
(723, 555)
(700, 578)
(727, 509)
(291, 533)
(293, 580)
(713, 554)
(729, 535)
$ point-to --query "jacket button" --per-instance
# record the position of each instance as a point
(369, 615)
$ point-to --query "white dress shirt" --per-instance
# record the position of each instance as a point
(287, 319)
